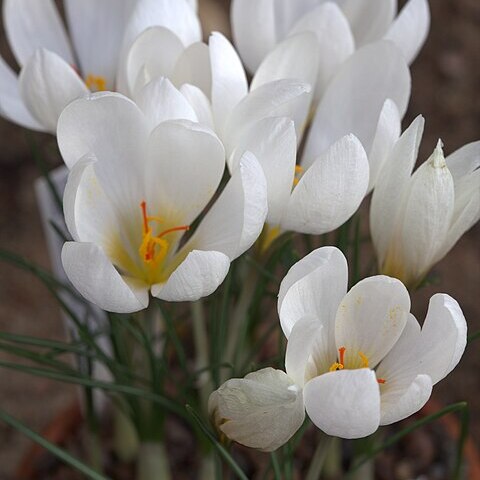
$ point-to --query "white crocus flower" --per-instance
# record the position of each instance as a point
(131, 195)
(214, 81)
(57, 67)
(416, 219)
(341, 26)
(354, 360)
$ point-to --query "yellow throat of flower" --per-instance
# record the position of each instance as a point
(96, 83)
(154, 248)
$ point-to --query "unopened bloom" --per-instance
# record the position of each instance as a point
(134, 192)
(341, 26)
(355, 360)
(57, 67)
(416, 219)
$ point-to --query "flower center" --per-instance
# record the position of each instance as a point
(154, 248)
(96, 83)
(340, 365)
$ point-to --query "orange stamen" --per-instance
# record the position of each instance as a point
(381, 380)
(174, 229)
(341, 356)
(143, 206)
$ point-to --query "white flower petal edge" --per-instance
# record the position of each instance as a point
(355, 97)
(344, 404)
(331, 189)
(236, 219)
(47, 85)
(35, 24)
(410, 29)
(262, 410)
(198, 276)
(94, 276)
(12, 106)
(314, 286)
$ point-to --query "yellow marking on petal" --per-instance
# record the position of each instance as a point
(364, 359)
(96, 83)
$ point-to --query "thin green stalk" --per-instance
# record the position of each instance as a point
(333, 463)
(239, 322)
(52, 448)
(276, 466)
(200, 337)
(319, 457)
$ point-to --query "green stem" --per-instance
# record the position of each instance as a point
(239, 322)
(125, 438)
(152, 463)
(319, 458)
(200, 337)
(333, 463)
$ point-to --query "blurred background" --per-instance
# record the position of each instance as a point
(446, 82)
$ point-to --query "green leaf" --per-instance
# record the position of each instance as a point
(216, 444)
(52, 448)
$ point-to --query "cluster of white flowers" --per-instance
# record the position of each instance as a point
(149, 120)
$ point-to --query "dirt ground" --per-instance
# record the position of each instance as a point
(446, 78)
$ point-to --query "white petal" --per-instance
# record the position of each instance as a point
(370, 319)
(11, 103)
(89, 214)
(94, 276)
(334, 37)
(97, 29)
(296, 57)
(314, 286)
(330, 191)
(282, 98)
(369, 19)
(197, 276)
(236, 219)
(391, 186)
(47, 85)
(193, 66)
(144, 55)
(406, 402)
(185, 165)
(388, 132)
(444, 337)
(200, 104)
(253, 26)
(161, 101)
(410, 29)
(465, 160)
(406, 387)
(274, 144)
(177, 16)
(32, 24)
(229, 82)
(354, 99)
(345, 403)
(428, 211)
(115, 131)
(299, 347)
(262, 410)
(466, 212)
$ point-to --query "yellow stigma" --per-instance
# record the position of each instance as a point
(96, 83)
(298, 174)
(154, 248)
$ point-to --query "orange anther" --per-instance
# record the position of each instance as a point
(381, 380)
